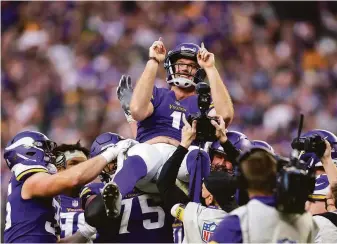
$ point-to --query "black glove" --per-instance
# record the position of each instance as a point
(124, 94)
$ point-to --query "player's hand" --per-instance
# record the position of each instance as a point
(205, 58)
(124, 145)
(220, 129)
(111, 153)
(188, 133)
(124, 94)
(158, 50)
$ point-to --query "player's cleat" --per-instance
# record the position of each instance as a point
(112, 200)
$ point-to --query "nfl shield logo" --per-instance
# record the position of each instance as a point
(74, 203)
(207, 231)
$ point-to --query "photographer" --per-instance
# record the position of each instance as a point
(259, 220)
(217, 190)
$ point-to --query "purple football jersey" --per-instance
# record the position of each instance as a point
(71, 215)
(28, 221)
(142, 218)
(166, 119)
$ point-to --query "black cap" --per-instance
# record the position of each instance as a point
(222, 186)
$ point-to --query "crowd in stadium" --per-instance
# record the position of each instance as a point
(62, 63)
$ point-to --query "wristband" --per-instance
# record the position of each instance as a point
(155, 59)
(177, 211)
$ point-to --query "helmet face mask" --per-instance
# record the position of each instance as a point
(47, 146)
(180, 71)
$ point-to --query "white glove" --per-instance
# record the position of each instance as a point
(87, 230)
(122, 146)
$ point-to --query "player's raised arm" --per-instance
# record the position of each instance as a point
(43, 185)
(220, 95)
(140, 105)
(329, 167)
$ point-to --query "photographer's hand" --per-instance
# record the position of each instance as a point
(220, 129)
(329, 167)
(327, 154)
(188, 133)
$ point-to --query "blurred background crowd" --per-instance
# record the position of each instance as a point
(61, 63)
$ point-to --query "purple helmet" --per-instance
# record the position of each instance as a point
(103, 141)
(188, 51)
(29, 148)
(238, 139)
(310, 158)
(258, 143)
(321, 188)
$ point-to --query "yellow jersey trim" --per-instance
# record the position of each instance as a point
(36, 170)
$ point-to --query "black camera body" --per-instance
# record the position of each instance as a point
(205, 130)
(293, 186)
(315, 144)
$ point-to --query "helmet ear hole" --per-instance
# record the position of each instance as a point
(30, 153)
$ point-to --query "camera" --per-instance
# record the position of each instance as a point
(205, 130)
(293, 185)
(313, 144)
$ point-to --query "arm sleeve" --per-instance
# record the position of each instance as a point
(231, 151)
(170, 193)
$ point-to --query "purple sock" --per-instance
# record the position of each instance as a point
(198, 166)
(134, 168)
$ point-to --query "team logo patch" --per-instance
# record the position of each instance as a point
(208, 231)
(74, 203)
